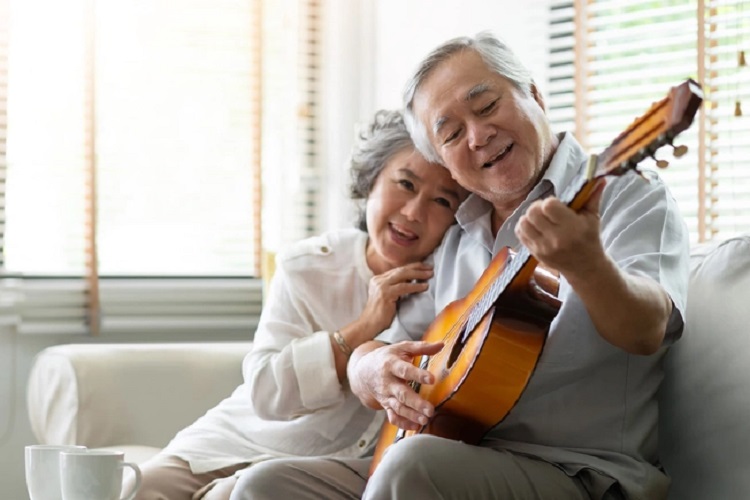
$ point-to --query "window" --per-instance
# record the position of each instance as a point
(612, 58)
(134, 148)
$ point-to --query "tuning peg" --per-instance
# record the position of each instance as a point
(679, 151)
(662, 163)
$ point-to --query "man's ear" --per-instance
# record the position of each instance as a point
(538, 97)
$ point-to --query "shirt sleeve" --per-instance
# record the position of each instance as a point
(642, 230)
(290, 370)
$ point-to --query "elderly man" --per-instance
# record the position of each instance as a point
(585, 426)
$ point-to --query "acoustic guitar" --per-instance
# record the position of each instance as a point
(494, 336)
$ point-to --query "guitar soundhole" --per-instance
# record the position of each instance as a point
(458, 346)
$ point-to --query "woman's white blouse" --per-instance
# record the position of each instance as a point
(291, 402)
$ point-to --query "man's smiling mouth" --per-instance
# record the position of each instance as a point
(500, 156)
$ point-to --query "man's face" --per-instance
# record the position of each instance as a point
(494, 138)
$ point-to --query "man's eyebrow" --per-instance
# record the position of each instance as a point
(438, 125)
(473, 93)
(477, 90)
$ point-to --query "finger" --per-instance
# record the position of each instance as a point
(401, 289)
(592, 205)
(418, 347)
(407, 372)
(527, 232)
(407, 273)
(401, 422)
(556, 211)
(537, 217)
(409, 405)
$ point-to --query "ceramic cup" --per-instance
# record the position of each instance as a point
(95, 474)
(43, 470)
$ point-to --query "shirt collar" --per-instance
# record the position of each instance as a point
(474, 214)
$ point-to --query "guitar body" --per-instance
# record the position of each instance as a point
(478, 380)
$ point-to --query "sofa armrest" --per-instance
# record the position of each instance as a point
(112, 394)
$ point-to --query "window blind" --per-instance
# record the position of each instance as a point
(4, 17)
(627, 54)
(292, 172)
(134, 161)
(727, 86)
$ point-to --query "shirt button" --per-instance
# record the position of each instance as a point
(324, 249)
(362, 443)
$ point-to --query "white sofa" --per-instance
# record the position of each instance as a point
(133, 397)
(138, 396)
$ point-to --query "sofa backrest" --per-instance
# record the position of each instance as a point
(704, 425)
(128, 394)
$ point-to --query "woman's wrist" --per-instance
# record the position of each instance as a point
(342, 344)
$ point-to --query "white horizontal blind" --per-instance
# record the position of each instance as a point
(46, 119)
(634, 51)
(292, 173)
(727, 33)
(4, 25)
(162, 100)
(174, 122)
(561, 82)
(177, 305)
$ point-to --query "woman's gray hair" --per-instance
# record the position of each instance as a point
(495, 54)
(380, 140)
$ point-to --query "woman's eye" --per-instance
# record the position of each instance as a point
(444, 202)
(407, 184)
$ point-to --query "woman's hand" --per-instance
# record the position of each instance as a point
(382, 299)
(380, 376)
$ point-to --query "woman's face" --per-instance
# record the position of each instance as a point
(411, 205)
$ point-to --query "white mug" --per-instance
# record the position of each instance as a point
(43, 470)
(95, 475)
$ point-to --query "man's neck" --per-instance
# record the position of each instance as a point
(502, 210)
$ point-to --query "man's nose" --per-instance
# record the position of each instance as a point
(480, 135)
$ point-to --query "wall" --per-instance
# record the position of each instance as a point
(371, 47)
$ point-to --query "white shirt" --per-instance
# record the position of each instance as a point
(291, 402)
(589, 405)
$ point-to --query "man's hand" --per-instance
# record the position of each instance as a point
(629, 311)
(380, 375)
(562, 239)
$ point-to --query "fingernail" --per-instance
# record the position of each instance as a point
(426, 379)
(423, 420)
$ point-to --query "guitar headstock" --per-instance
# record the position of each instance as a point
(663, 121)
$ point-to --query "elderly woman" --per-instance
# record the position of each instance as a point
(329, 295)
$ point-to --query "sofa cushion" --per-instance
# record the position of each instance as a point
(705, 398)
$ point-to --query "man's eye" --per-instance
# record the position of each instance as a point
(489, 107)
(451, 137)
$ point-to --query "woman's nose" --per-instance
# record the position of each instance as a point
(413, 208)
